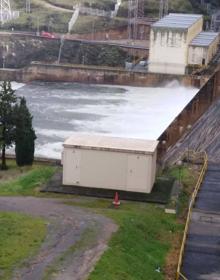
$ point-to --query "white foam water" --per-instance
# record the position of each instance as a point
(15, 85)
(59, 109)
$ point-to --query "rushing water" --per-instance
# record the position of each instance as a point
(62, 108)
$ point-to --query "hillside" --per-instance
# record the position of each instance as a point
(54, 15)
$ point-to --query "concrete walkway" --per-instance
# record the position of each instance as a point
(202, 254)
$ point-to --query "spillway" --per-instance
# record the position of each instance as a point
(59, 109)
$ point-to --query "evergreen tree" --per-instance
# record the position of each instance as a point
(7, 125)
(25, 135)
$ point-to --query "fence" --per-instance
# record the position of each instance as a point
(197, 156)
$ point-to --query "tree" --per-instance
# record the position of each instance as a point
(7, 126)
(25, 135)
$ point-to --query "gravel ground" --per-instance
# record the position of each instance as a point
(66, 225)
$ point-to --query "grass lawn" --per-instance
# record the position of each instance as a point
(146, 246)
(25, 180)
(139, 248)
(20, 237)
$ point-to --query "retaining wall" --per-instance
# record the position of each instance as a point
(97, 75)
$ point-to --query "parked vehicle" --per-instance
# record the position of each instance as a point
(47, 35)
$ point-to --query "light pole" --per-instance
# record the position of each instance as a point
(38, 26)
(28, 6)
(3, 61)
(164, 142)
(62, 38)
(179, 164)
(189, 126)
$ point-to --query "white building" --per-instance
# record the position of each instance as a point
(169, 42)
(105, 162)
(202, 48)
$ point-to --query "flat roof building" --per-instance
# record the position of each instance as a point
(177, 21)
(202, 48)
(104, 162)
(169, 41)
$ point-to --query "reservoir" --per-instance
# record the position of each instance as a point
(59, 109)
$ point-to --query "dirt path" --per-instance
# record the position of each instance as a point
(67, 225)
(50, 6)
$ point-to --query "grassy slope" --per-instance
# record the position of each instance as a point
(20, 238)
(145, 237)
(101, 4)
(20, 235)
(28, 182)
(152, 7)
(144, 240)
(48, 19)
(139, 248)
(57, 21)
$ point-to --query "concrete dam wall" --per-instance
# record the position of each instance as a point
(203, 114)
(91, 74)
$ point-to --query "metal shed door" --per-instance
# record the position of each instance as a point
(136, 173)
(72, 161)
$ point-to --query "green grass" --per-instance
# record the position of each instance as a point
(138, 250)
(141, 244)
(99, 4)
(53, 20)
(187, 177)
(20, 238)
(146, 236)
(89, 24)
(29, 182)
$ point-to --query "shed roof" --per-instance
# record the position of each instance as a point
(100, 142)
(204, 39)
(180, 21)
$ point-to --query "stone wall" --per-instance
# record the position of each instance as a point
(11, 75)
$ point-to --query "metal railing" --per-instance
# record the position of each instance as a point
(197, 156)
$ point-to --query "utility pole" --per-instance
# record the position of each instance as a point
(5, 11)
(62, 38)
(28, 6)
(38, 26)
(164, 8)
(213, 23)
(135, 12)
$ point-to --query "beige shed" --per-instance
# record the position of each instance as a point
(109, 162)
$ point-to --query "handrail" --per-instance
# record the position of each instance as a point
(179, 274)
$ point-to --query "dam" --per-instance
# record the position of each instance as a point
(59, 109)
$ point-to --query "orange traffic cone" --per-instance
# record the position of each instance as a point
(116, 201)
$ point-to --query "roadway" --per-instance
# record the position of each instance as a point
(139, 44)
